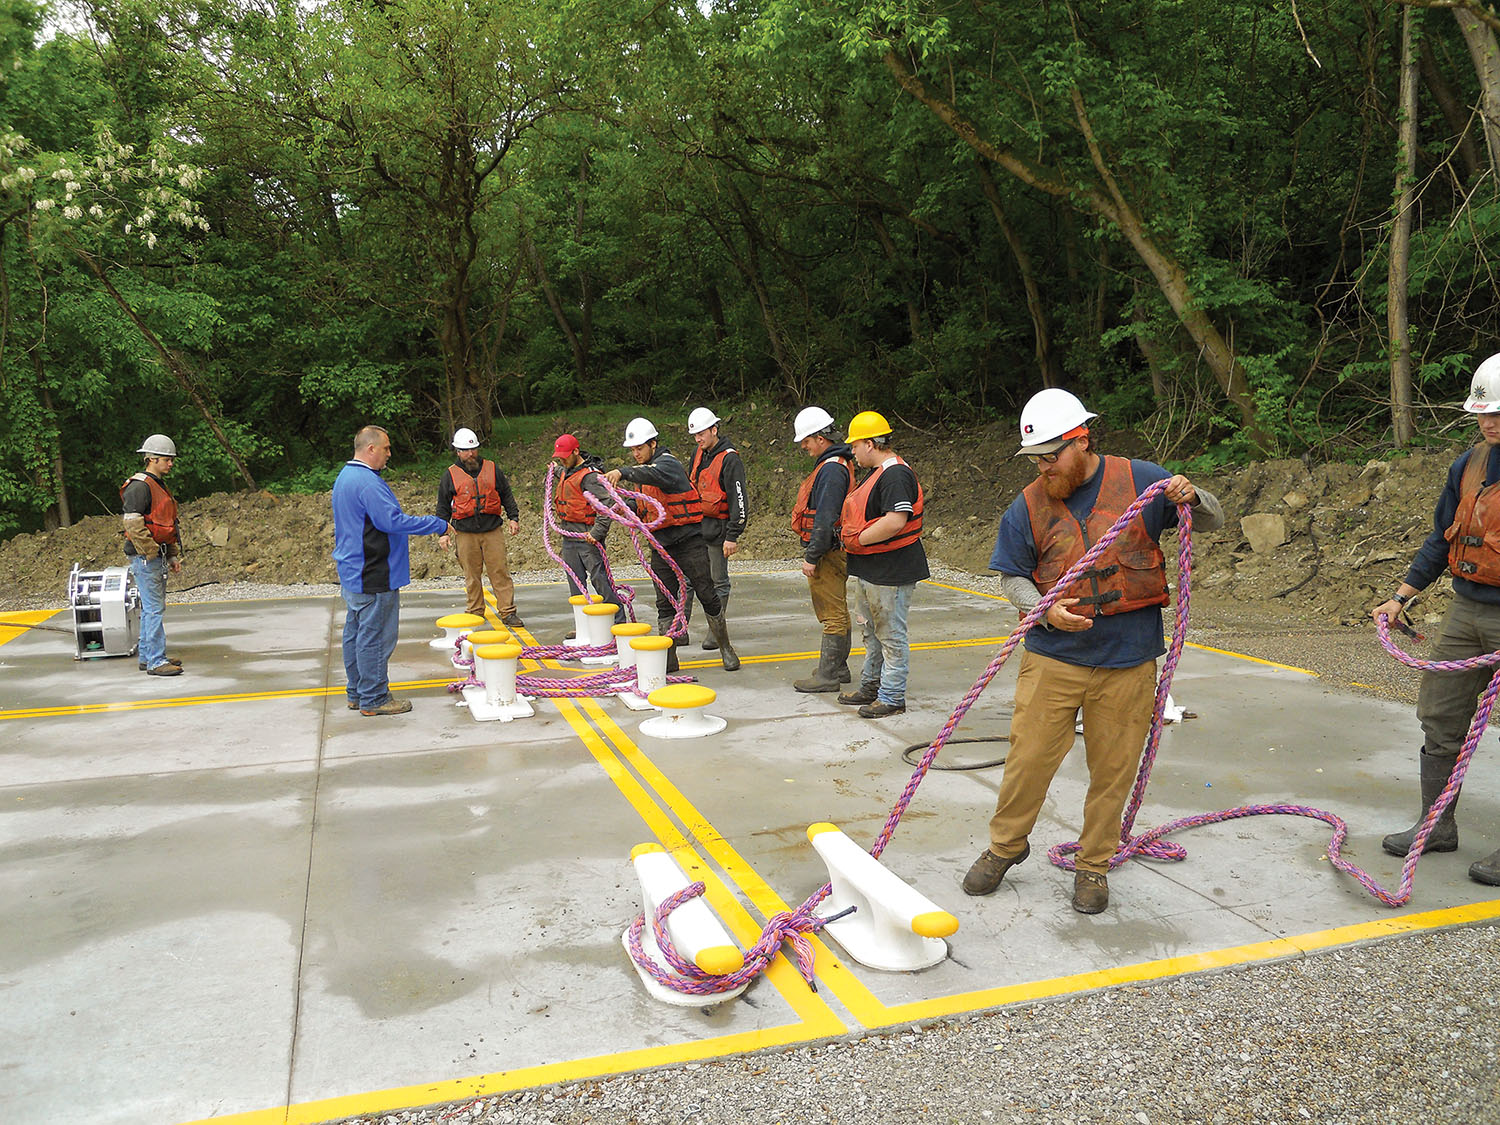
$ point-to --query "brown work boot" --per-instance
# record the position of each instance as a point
(165, 668)
(858, 698)
(512, 620)
(984, 877)
(1090, 892)
(880, 710)
(172, 660)
(390, 705)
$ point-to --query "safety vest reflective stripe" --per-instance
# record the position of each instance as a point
(475, 494)
(855, 521)
(1131, 574)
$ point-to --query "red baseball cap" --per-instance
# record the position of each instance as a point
(565, 446)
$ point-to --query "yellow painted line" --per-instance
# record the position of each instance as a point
(850, 991)
(503, 1081)
(1187, 964)
(965, 590)
(29, 617)
(1253, 659)
(121, 706)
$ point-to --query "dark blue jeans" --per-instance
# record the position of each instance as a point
(370, 629)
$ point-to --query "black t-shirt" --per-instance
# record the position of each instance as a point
(895, 491)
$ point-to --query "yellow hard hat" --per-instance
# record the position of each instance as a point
(867, 424)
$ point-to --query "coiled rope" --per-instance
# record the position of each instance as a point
(794, 926)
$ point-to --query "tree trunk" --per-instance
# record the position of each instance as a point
(1485, 53)
(174, 366)
(1046, 361)
(539, 273)
(888, 244)
(1454, 113)
(1397, 324)
(59, 477)
(1108, 202)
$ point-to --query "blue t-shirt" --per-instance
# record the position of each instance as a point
(1116, 640)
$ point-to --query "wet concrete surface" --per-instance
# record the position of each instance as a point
(230, 897)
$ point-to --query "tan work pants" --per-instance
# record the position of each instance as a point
(481, 554)
(1117, 705)
(829, 586)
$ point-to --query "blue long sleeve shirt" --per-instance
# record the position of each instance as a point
(370, 530)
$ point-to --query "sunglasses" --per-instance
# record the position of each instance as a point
(1049, 458)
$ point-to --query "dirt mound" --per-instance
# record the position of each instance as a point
(1312, 544)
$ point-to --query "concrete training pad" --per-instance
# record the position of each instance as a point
(227, 894)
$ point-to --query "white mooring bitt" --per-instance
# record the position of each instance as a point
(580, 629)
(495, 668)
(697, 934)
(598, 622)
(453, 626)
(894, 927)
(624, 635)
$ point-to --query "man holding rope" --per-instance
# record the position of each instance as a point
(580, 472)
(658, 474)
(1095, 649)
(1465, 523)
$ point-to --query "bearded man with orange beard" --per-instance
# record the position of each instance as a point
(1095, 649)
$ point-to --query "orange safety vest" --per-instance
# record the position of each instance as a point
(855, 521)
(161, 520)
(682, 507)
(475, 494)
(802, 514)
(568, 501)
(711, 491)
(1132, 574)
(1474, 536)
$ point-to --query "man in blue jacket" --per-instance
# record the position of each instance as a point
(369, 549)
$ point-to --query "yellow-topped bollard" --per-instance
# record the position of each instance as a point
(453, 625)
(682, 712)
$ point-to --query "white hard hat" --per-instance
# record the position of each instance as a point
(158, 445)
(639, 432)
(810, 420)
(701, 419)
(1047, 417)
(1484, 391)
(465, 438)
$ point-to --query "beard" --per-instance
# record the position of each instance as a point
(1062, 484)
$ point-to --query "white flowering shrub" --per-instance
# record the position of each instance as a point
(114, 189)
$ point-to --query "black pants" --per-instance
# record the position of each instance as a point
(691, 557)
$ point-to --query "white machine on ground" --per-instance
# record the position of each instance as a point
(106, 612)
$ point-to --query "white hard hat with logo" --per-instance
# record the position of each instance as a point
(158, 445)
(810, 420)
(465, 438)
(701, 419)
(1047, 417)
(1484, 391)
(639, 432)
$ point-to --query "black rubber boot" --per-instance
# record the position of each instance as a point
(710, 642)
(1486, 870)
(672, 664)
(841, 663)
(727, 656)
(1444, 838)
(825, 676)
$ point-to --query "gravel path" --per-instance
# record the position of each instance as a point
(1405, 1030)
